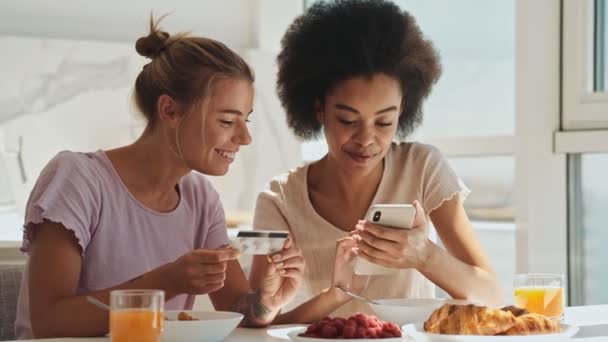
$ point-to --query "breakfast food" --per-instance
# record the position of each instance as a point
(356, 326)
(515, 310)
(438, 316)
(530, 324)
(476, 320)
(182, 316)
(480, 320)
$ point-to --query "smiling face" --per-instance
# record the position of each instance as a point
(210, 138)
(360, 117)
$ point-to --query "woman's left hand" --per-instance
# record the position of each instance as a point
(395, 248)
(283, 276)
(344, 268)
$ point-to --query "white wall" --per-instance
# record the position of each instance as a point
(231, 21)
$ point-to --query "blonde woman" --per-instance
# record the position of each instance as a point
(139, 216)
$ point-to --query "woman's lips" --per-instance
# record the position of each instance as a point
(360, 157)
(226, 154)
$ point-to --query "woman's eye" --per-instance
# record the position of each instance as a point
(227, 122)
(384, 124)
(346, 122)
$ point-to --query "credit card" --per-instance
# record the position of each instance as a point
(259, 242)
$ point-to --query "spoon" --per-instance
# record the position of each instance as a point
(98, 303)
(357, 296)
(103, 306)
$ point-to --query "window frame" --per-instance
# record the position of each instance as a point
(583, 108)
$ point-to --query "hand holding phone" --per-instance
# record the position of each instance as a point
(397, 216)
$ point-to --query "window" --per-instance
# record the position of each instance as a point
(477, 81)
(584, 139)
(492, 178)
(588, 233)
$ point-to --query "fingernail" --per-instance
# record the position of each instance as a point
(269, 259)
(361, 222)
(276, 257)
(279, 265)
(359, 227)
(282, 272)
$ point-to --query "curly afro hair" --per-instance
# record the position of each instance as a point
(337, 40)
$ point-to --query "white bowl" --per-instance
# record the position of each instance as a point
(403, 311)
(211, 326)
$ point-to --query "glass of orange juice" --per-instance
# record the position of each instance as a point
(136, 315)
(541, 293)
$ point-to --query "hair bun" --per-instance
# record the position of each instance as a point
(152, 45)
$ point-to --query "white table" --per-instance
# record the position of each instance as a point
(592, 321)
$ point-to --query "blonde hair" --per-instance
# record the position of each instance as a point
(183, 67)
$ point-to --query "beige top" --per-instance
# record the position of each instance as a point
(413, 171)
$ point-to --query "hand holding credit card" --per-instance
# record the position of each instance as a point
(259, 242)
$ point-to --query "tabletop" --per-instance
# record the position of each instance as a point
(592, 321)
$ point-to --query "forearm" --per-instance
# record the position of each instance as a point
(74, 316)
(316, 308)
(255, 312)
(461, 280)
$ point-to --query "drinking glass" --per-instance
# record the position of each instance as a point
(540, 293)
(136, 315)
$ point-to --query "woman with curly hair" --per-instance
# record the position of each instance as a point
(358, 72)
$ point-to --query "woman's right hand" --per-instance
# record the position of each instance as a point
(200, 271)
(344, 267)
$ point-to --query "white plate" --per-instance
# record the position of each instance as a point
(294, 337)
(210, 326)
(418, 333)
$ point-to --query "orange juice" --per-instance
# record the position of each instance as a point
(545, 300)
(136, 326)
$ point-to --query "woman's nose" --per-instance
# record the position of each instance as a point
(243, 137)
(365, 135)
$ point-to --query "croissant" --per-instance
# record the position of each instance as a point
(531, 324)
(477, 320)
(432, 323)
(515, 310)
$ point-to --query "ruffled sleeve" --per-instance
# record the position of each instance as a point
(440, 182)
(66, 192)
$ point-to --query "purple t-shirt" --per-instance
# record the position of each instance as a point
(120, 238)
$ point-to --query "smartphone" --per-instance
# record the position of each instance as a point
(259, 242)
(396, 216)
